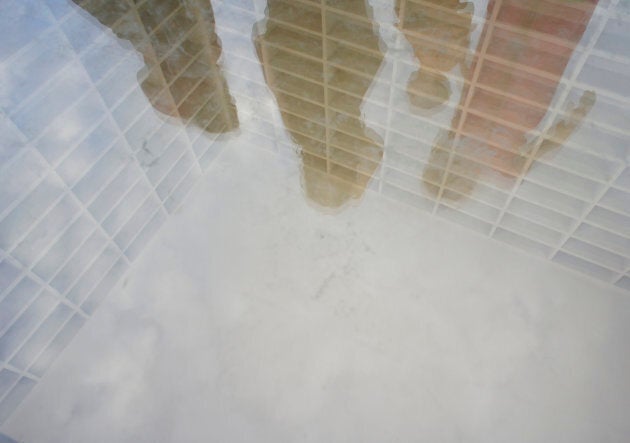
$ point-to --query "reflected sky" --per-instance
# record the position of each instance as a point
(508, 117)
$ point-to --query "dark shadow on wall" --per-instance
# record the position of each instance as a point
(182, 76)
(319, 84)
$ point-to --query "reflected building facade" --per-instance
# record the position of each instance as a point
(440, 39)
(509, 86)
(319, 66)
(507, 117)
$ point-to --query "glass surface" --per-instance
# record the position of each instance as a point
(508, 117)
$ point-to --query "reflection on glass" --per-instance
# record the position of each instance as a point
(439, 38)
(509, 85)
(182, 77)
(319, 69)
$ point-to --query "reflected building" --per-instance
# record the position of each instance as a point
(319, 64)
(509, 87)
(440, 39)
(182, 77)
(113, 109)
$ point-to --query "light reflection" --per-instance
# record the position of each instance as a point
(473, 134)
(320, 65)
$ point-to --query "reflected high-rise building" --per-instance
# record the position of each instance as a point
(320, 66)
(182, 76)
(508, 87)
